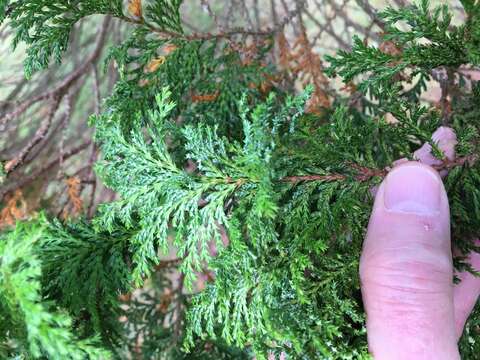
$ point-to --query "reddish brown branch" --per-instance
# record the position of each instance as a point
(469, 160)
(301, 178)
(365, 174)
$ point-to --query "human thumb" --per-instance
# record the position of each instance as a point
(406, 268)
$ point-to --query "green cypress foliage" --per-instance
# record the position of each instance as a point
(289, 189)
(30, 325)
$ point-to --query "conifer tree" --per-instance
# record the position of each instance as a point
(218, 157)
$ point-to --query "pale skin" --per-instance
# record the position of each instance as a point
(414, 311)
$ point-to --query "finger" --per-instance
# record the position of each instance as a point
(446, 140)
(466, 293)
(406, 268)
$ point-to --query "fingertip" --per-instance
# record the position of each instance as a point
(424, 155)
(446, 139)
(444, 133)
(411, 203)
(413, 188)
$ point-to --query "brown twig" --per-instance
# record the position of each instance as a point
(303, 178)
(447, 164)
(366, 174)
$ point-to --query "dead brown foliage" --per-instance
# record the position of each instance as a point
(15, 209)
(305, 65)
(75, 202)
(154, 64)
(135, 8)
(205, 97)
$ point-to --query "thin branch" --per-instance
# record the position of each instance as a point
(60, 89)
(326, 28)
(211, 13)
(203, 36)
(25, 180)
(39, 135)
(269, 31)
(13, 94)
(63, 126)
(366, 174)
(256, 13)
(303, 178)
(247, 14)
(177, 327)
(370, 11)
(273, 10)
(94, 151)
